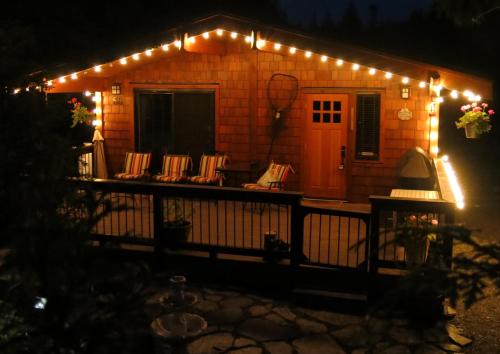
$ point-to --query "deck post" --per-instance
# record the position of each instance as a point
(373, 242)
(157, 222)
(296, 233)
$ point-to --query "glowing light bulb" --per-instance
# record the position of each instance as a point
(454, 94)
(49, 83)
(74, 76)
(277, 46)
(97, 122)
(16, 91)
(445, 158)
(123, 61)
(434, 122)
(308, 54)
(422, 84)
(261, 43)
(477, 98)
(164, 47)
(433, 136)
(388, 75)
(355, 67)
(292, 50)
(87, 93)
(372, 71)
(234, 35)
(136, 56)
(62, 79)
(435, 150)
(324, 58)
(219, 32)
(248, 39)
(148, 52)
(178, 44)
(340, 62)
(97, 111)
(192, 39)
(467, 93)
(206, 35)
(97, 68)
(439, 99)
(405, 80)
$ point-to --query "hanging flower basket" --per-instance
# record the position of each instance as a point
(476, 120)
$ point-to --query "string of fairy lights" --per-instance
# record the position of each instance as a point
(261, 44)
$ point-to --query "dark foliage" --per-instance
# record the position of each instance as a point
(91, 304)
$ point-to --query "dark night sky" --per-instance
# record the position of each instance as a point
(301, 11)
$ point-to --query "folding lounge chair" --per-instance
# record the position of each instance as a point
(273, 179)
(208, 169)
(175, 169)
(136, 166)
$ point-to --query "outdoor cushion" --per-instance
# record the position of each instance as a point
(208, 165)
(174, 169)
(136, 165)
(273, 179)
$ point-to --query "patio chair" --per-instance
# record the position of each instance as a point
(208, 169)
(175, 169)
(136, 166)
(273, 179)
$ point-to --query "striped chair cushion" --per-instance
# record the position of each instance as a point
(256, 186)
(176, 165)
(274, 173)
(203, 180)
(169, 179)
(136, 165)
(208, 165)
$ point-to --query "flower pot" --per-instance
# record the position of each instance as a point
(471, 132)
(174, 234)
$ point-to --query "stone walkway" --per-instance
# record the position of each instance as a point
(248, 324)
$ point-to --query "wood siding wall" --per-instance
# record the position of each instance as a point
(239, 78)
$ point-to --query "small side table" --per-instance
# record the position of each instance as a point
(236, 174)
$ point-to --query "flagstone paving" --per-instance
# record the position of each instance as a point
(248, 324)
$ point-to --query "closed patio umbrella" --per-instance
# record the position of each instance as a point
(101, 170)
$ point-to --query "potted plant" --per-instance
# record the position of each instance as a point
(415, 233)
(81, 122)
(475, 119)
(176, 226)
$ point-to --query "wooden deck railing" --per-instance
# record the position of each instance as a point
(389, 214)
(232, 221)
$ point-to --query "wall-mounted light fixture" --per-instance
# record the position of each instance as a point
(116, 89)
(405, 92)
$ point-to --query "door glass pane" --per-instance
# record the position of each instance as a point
(336, 118)
(316, 117)
(316, 105)
(326, 117)
(337, 105)
(327, 105)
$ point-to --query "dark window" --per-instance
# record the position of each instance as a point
(326, 117)
(367, 126)
(337, 105)
(327, 105)
(316, 105)
(316, 117)
(337, 118)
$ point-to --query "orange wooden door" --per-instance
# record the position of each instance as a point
(325, 148)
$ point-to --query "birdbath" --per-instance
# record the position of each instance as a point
(176, 323)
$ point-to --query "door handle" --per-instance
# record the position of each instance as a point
(342, 157)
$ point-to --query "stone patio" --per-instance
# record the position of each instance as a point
(248, 324)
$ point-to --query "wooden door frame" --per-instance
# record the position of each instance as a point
(350, 94)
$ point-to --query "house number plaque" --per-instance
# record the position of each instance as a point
(405, 114)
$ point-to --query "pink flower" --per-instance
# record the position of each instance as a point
(474, 104)
(434, 222)
(467, 106)
(412, 218)
(463, 108)
(484, 105)
(491, 112)
(73, 100)
(477, 109)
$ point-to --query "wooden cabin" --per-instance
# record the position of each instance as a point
(203, 87)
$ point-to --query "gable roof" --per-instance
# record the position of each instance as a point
(414, 70)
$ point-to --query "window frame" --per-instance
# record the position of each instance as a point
(357, 157)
